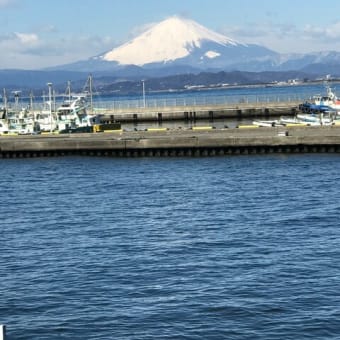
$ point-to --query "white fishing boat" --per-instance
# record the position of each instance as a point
(17, 120)
(73, 112)
(321, 103)
(330, 99)
(308, 120)
(20, 122)
(46, 118)
(292, 121)
(3, 122)
(316, 119)
(3, 128)
(267, 123)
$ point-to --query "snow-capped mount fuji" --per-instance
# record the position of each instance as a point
(178, 45)
(180, 41)
(172, 39)
(174, 46)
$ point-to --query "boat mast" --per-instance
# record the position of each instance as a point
(50, 101)
(16, 100)
(31, 100)
(68, 90)
(4, 99)
(90, 88)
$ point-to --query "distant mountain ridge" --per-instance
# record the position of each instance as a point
(178, 46)
(176, 42)
(193, 82)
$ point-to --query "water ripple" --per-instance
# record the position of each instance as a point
(218, 248)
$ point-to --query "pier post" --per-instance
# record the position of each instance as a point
(2, 332)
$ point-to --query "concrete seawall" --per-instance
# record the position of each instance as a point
(200, 112)
(177, 142)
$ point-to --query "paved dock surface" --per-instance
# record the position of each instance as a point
(204, 141)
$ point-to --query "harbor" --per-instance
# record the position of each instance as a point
(164, 178)
(214, 126)
(84, 108)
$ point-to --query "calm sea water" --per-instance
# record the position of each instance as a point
(225, 96)
(240, 247)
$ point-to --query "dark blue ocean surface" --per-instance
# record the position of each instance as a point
(240, 247)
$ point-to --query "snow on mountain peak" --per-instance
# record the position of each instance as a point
(212, 54)
(166, 41)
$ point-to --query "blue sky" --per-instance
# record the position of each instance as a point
(40, 33)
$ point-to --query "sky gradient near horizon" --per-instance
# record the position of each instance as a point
(40, 33)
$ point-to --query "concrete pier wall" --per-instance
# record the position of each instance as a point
(176, 142)
(201, 112)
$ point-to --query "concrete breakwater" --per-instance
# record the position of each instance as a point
(200, 112)
(170, 143)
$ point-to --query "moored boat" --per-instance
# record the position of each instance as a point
(321, 103)
(72, 114)
(267, 123)
(16, 120)
(316, 119)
